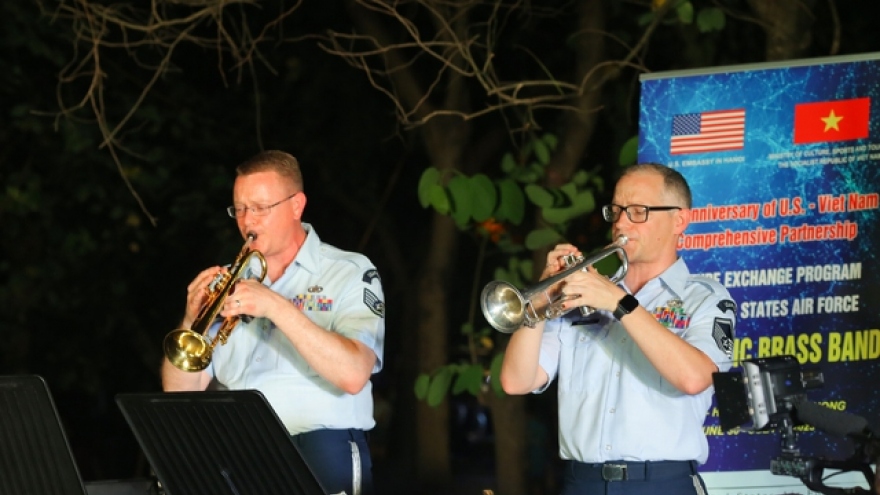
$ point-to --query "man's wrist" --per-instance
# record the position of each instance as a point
(625, 306)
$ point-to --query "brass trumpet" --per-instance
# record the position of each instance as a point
(508, 309)
(190, 349)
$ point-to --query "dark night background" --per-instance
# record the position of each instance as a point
(93, 267)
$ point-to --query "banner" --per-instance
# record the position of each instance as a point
(784, 164)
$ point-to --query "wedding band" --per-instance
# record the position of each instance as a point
(238, 303)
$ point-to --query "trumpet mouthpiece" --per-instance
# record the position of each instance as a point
(621, 240)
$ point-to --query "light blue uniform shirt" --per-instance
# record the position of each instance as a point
(613, 404)
(339, 291)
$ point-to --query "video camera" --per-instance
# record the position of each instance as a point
(770, 393)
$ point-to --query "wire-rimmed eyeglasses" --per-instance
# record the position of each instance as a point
(635, 213)
(259, 210)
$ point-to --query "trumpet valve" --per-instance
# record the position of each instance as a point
(570, 260)
(220, 280)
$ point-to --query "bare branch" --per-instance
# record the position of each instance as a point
(159, 29)
(440, 52)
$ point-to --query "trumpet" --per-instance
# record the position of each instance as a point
(508, 309)
(190, 349)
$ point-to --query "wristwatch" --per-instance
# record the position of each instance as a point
(625, 306)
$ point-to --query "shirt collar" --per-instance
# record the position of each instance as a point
(676, 276)
(309, 255)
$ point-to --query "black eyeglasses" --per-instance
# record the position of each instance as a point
(635, 213)
(260, 211)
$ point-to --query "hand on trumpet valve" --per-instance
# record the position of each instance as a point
(557, 259)
(565, 297)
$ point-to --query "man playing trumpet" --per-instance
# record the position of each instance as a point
(634, 377)
(310, 335)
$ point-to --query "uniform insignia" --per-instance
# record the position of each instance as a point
(312, 302)
(675, 303)
(373, 302)
(722, 332)
(726, 305)
(672, 316)
(369, 275)
(316, 288)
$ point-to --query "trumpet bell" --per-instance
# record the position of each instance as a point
(188, 350)
(507, 309)
(503, 306)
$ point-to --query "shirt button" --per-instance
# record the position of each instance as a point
(611, 410)
(258, 359)
(607, 447)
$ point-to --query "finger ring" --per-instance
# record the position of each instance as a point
(238, 303)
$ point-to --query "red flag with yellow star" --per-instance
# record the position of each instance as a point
(838, 120)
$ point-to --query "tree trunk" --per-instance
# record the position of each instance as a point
(432, 423)
(787, 25)
(509, 424)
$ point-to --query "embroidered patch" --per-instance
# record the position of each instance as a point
(722, 332)
(369, 275)
(672, 316)
(373, 302)
(312, 302)
(726, 305)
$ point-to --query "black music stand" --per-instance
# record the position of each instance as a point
(217, 442)
(35, 456)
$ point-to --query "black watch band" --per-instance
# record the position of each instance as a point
(625, 306)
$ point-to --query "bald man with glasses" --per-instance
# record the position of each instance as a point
(310, 335)
(635, 377)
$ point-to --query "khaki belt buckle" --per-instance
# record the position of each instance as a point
(614, 472)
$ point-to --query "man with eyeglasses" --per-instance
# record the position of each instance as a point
(634, 377)
(311, 334)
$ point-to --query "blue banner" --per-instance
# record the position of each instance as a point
(783, 164)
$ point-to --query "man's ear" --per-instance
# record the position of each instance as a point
(682, 220)
(299, 201)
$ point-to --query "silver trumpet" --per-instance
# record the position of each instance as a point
(507, 309)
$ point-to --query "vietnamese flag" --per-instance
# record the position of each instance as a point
(838, 120)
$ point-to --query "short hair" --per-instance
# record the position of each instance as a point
(284, 164)
(673, 181)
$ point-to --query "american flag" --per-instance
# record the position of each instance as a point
(708, 131)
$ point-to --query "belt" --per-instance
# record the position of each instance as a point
(632, 471)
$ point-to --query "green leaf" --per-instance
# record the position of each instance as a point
(439, 386)
(495, 374)
(512, 202)
(462, 199)
(581, 204)
(541, 238)
(547, 198)
(467, 329)
(526, 268)
(508, 164)
(430, 178)
(685, 12)
(580, 178)
(550, 140)
(470, 379)
(439, 199)
(484, 197)
(542, 152)
(711, 19)
(421, 387)
(629, 152)
(645, 19)
(539, 195)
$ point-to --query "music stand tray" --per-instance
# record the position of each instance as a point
(217, 442)
(35, 456)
